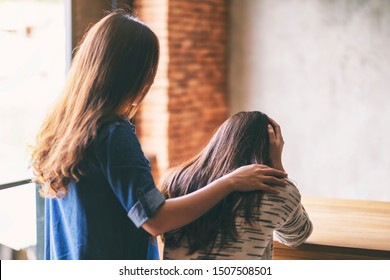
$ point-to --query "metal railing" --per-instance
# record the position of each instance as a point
(15, 184)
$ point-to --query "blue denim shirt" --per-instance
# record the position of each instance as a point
(101, 214)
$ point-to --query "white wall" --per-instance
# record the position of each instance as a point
(321, 68)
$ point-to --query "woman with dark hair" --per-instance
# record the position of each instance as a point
(101, 200)
(241, 226)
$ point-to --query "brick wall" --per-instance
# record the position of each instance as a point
(153, 118)
(197, 74)
(189, 97)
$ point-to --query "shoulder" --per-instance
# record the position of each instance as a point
(283, 205)
(116, 127)
(116, 133)
(290, 194)
(117, 140)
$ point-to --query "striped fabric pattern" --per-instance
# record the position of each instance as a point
(281, 216)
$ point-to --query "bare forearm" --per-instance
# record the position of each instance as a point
(177, 212)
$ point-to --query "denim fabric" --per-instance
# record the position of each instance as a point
(146, 206)
(101, 214)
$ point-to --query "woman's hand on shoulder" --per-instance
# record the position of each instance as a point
(276, 144)
(256, 177)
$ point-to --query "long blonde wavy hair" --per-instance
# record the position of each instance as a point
(113, 69)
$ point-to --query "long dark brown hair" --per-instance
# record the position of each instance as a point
(113, 69)
(240, 140)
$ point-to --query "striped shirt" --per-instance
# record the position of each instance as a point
(281, 216)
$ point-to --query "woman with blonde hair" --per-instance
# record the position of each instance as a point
(101, 200)
(242, 225)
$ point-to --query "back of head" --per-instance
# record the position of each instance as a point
(113, 69)
(240, 140)
(116, 62)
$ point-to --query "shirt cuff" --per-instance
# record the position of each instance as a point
(146, 207)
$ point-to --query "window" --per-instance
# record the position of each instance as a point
(32, 73)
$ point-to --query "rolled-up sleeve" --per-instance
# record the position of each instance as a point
(146, 206)
(129, 174)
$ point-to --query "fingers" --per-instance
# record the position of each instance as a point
(275, 173)
(276, 128)
(275, 181)
(273, 122)
(269, 189)
(268, 171)
(270, 177)
(271, 134)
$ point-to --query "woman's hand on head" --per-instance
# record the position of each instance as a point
(276, 143)
(256, 177)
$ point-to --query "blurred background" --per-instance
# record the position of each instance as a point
(321, 68)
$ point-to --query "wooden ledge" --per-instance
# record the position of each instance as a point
(343, 229)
